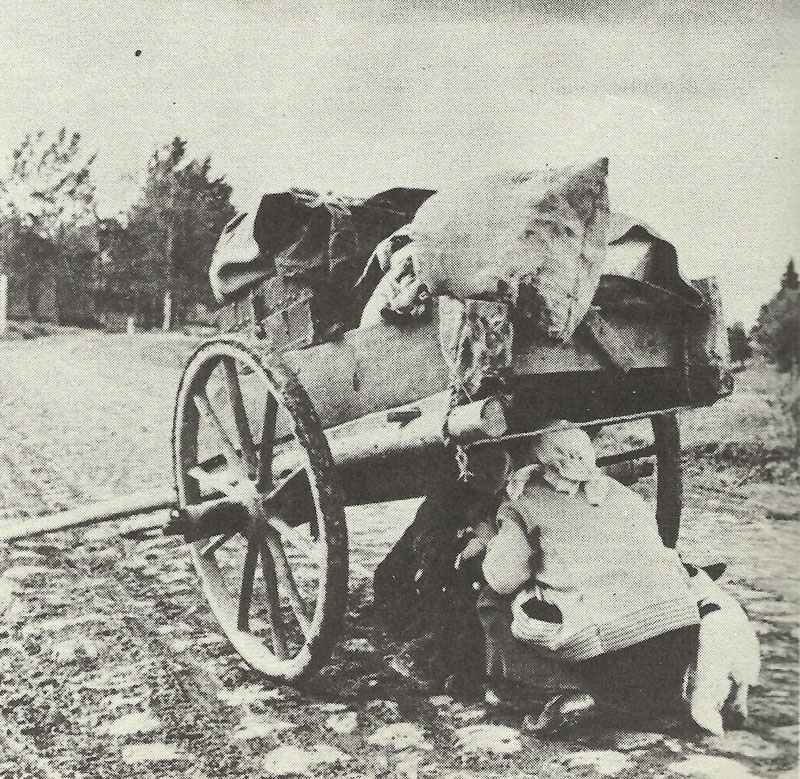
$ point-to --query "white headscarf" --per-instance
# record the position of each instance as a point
(569, 462)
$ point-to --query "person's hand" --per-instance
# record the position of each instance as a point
(474, 547)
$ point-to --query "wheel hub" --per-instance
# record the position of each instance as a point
(257, 491)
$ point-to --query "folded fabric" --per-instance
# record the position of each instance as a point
(533, 629)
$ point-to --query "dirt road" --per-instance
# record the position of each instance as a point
(111, 665)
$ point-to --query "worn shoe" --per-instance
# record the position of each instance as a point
(562, 712)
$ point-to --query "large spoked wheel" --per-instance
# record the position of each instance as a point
(260, 505)
(664, 444)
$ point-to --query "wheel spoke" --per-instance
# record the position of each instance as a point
(248, 575)
(276, 488)
(273, 603)
(264, 480)
(212, 546)
(311, 550)
(285, 572)
(231, 455)
(240, 416)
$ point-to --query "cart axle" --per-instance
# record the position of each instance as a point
(213, 518)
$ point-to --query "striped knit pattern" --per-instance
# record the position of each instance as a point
(605, 567)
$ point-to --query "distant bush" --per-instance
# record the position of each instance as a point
(777, 330)
(790, 401)
(168, 238)
(739, 343)
(48, 238)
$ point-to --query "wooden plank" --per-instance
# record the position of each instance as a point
(650, 344)
(606, 338)
(386, 366)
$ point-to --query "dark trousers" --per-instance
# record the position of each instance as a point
(646, 677)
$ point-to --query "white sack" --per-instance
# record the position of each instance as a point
(535, 240)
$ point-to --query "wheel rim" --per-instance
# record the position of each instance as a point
(276, 576)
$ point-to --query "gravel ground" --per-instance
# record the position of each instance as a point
(111, 665)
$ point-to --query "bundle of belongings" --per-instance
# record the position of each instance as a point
(536, 240)
(301, 242)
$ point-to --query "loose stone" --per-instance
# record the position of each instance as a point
(494, 739)
(711, 767)
(398, 736)
(131, 724)
(289, 760)
(606, 762)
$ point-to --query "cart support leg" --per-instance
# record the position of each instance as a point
(670, 478)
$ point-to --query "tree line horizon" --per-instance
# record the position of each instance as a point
(55, 247)
(68, 264)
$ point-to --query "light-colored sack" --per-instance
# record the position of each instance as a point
(535, 240)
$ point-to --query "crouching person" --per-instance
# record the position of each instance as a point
(590, 585)
(426, 588)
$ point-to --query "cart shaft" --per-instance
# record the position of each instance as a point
(143, 502)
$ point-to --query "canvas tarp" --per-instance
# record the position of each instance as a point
(322, 243)
(299, 232)
(638, 252)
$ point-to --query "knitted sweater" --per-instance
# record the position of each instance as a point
(604, 567)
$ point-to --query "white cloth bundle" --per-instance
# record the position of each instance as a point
(533, 239)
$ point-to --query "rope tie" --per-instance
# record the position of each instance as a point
(462, 461)
(337, 205)
(458, 391)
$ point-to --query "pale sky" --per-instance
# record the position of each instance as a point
(697, 104)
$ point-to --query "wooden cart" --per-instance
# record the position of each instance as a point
(272, 439)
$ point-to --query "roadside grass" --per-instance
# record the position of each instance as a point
(750, 430)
